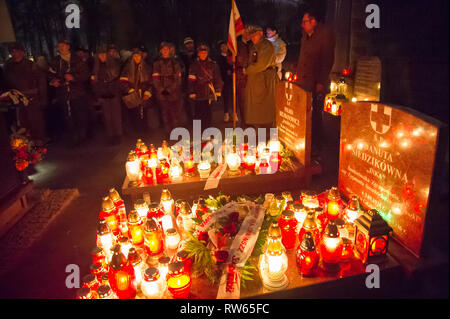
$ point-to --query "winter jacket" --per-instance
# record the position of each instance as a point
(137, 77)
(202, 76)
(261, 82)
(105, 78)
(316, 59)
(26, 77)
(166, 79)
(78, 69)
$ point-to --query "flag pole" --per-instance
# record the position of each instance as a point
(234, 91)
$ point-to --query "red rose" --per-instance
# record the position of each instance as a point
(44, 151)
(203, 236)
(230, 228)
(234, 217)
(221, 255)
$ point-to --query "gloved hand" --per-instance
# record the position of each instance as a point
(192, 96)
(147, 95)
(131, 91)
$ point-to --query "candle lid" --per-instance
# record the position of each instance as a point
(118, 260)
(132, 156)
(171, 231)
(151, 274)
(298, 206)
(133, 217)
(133, 257)
(183, 254)
(123, 240)
(290, 203)
(143, 148)
(88, 278)
(333, 193)
(164, 260)
(150, 225)
(97, 251)
(307, 243)
(102, 228)
(140, 203)
(107, 204)
(353, 204)
(103, 291)
(287, 214)
(105, 277)
(83, 292)
(318, 210)
(165, 194)
(176, 267)
(154, 206)
(95, 267)
(308, 193)
(340, 222)
(114, 195)
(332, 230)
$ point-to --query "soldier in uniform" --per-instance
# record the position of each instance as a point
(205, 85)
(136, 77)
(261, 81)
(105, 86)
(25, 76)
(69, 75)
(187, 56)
(166, 79)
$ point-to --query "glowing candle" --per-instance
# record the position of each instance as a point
(109, 214)
(204, 169)
(167, 202)
(307, 256)
(132, 168)
(331, 247)
(153, 238)
(288, 225)
(172, 238)
(135, 228)
(178, 281)
(136, 262)
(153, 284)
(299, 214)
(141, 207)
(121, 276)
(125, 245)
(163, 267)
(167, 222)
(105, 238)
(333, 207)
(233, 161)
(105, 292)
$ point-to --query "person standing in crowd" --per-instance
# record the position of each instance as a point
(279, 45)
(243, 46)
(166, 80)
(136, 77)
(313, 69)
(261, 81)
(69, 75)
(113, 52)
(226, 71)
(105, 86)
(25, 76)
(205, 85)
(187, 56)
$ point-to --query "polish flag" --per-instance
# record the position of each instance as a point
(236, 28)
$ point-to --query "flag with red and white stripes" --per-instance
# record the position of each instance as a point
(236, 28)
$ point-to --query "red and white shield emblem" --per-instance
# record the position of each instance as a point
(380, 118)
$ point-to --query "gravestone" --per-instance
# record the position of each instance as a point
(367, 79)
(388, 156)
(293, 119)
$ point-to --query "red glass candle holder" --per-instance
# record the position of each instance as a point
(288, 225)
(183, 256)
(307, 255)
(178, 281)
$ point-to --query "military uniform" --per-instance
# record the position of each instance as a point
(137, 77)
(71, 96)
(27, 78)
(206, 83)
(261, 82)
(166, 79)
(106, 88)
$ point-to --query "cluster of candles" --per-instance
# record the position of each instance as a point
(156, 166)
(142, 251)
(325, 231)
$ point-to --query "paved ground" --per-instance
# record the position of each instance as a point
(93, 169)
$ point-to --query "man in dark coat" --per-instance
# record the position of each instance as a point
(226, 71)
(313, 69)
(261, 81)
(187, 56)
(136, 77)
(105, 86)
(166, 79)
(243, 47)
(25, 76)
(205, 85)
(69, 75)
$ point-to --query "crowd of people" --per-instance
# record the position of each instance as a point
(133, 90)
